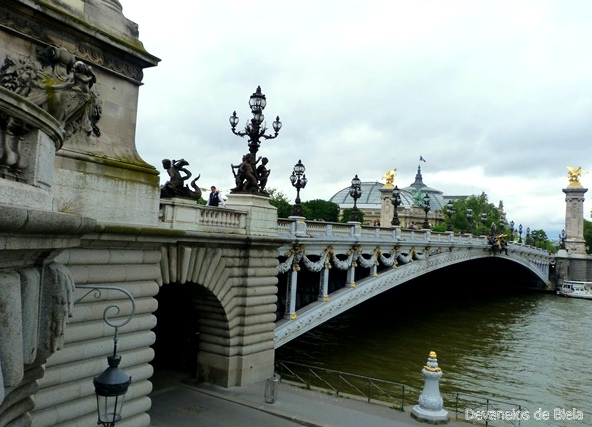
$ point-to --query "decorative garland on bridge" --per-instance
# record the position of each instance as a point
(355, 257)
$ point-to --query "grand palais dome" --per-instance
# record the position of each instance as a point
(371, 195)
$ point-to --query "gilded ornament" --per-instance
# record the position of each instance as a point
(573, 175)
(389, 176)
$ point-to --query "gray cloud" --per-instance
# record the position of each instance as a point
(495, 95)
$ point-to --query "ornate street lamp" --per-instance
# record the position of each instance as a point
(298, 179)
(450, 211)
(112, 384)
(426, 208)
(483, 217)
(255, 129)
(520, 233)
(396, 201)
(526, 239)
(512, 230)
(355, 191)
(469, 218)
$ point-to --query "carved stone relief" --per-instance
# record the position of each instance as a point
(58, 84)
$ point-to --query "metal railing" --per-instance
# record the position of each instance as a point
(476, 409)
(346, 384)
(483, 410)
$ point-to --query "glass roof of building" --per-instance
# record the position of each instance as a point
(371, 195)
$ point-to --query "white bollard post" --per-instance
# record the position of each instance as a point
(430, 407)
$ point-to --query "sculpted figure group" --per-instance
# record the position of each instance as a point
(60, 85)
(249, 177)
(175, 186)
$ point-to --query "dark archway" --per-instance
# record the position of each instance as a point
(177, 335)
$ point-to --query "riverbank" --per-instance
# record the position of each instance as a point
(189, 404)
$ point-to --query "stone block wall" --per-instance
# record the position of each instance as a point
(66, 396)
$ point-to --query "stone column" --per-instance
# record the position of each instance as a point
(574, 218)
(386, 206)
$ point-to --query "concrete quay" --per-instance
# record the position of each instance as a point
(190, 404)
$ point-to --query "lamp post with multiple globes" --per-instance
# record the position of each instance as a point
(298, 180)
(255, 129)
(396, 201)
(355, 191)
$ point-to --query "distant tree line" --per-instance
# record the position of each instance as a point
(483, 215)
(588, 236)
(317, 209)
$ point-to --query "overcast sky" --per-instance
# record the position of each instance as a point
(495, 95)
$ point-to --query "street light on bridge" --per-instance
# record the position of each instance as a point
(469, 218)
(426, 208)
(483, 217)
(450, 211)
(298, 179)
(255, 129)
(512, 230)
(520, 233)
(396, 201)
(355, 191)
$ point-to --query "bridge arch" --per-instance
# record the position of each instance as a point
(399, 265)
(234, 296)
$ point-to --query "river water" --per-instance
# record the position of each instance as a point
(528, 347)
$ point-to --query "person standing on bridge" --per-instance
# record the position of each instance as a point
(216, 198)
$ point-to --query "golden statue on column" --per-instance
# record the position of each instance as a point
(573, 174)
(390, 177)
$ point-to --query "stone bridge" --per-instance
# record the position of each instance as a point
(373, 260)
(80, 207)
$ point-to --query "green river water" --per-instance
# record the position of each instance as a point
(522, 346)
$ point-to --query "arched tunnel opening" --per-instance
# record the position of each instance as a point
(177, 335)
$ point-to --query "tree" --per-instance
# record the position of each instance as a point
(321, 210)
(483, 214)
(588, 235)
(539, 239)
(280, 201)
(346, 215)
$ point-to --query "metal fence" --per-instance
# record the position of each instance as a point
(490, 412)
(346, 384)
(480, 410)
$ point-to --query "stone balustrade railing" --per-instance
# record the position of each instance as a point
(299, 227)
(184, 214)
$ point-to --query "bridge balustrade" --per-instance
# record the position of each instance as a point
(185, 214)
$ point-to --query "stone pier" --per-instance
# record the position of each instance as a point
(79, 206)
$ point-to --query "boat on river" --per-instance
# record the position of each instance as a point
(575, 289)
